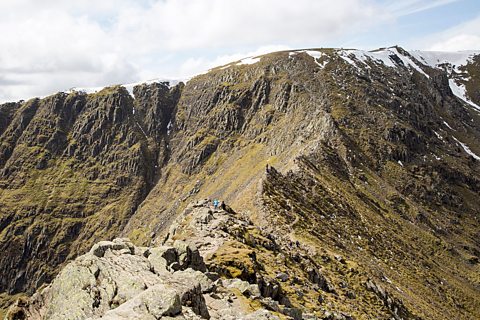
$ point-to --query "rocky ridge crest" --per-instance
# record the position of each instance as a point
(177, 280)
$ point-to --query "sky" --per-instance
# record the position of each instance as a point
(53, 45)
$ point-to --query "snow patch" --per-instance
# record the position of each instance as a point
(143, 131)
(169, 82)
(348, 57)
(467, 149)
(438, 135)
(454, 60)
(314, 54)
(87, 90)
(436, 58)
(359, 58)
(409, 62)
(383, 56)
(317, 55)
(249, 60)
(365, 57)
(449, 127)
(460, 91)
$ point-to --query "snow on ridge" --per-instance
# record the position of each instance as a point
(346, 55)
(312, 53)
(415, 60)
(436, 58)
(428, 58)
(457, 59)
(409, 62)
(379, 56)
(467, 149)
(85, 89)
(249, 60)
(460, 91)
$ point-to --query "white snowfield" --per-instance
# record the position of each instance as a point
(436, 58)
(459, 91)
(414, 60)
(383, 56)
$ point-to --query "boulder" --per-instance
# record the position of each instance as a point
(195, 276)
(100, 248)
(260, 315)
(247, 289)
(153, 303)
(188, 256)
(162, 258)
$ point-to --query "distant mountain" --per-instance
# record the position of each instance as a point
(362, 167)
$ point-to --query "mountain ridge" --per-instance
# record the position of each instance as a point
(358, 153)
(429, 58)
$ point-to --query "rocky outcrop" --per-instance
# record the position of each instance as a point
(117, 280)
(213, 264)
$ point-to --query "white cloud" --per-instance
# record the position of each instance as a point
(407, 7)
(187, 24)
(45, 50)
(465, 36)
(52, 45)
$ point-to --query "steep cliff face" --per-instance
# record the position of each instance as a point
(74, 167)
(370, 156)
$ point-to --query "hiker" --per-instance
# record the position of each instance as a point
(215, 203)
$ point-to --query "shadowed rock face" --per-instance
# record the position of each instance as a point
(372, 163)
(73, 168)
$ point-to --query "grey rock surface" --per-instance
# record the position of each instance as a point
(117, 280)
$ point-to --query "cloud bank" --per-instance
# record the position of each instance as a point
(465, 36)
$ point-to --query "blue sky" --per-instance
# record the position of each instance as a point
(410, 30)
(53, 45)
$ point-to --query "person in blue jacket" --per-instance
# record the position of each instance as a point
(215, 203)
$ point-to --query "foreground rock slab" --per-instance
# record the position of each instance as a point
(118, 280)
